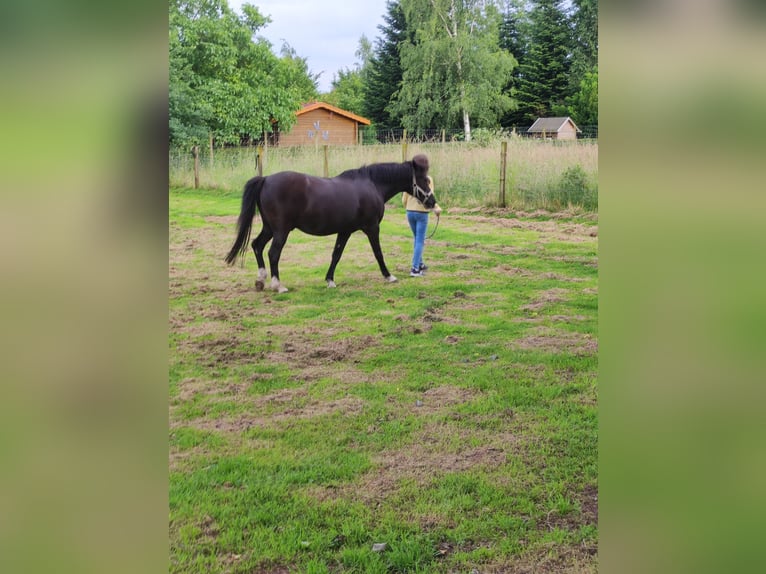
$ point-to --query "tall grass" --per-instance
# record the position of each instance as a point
(540, 174)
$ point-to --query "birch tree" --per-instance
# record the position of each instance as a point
(454, 71)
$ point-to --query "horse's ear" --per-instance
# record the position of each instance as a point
(420, 163)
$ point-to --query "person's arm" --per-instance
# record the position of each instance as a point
(437, 209)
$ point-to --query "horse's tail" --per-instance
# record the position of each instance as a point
(250, 199)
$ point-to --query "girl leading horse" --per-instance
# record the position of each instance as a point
(349, 202)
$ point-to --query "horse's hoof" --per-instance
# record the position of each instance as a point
(331, 284)
(391, 279)
(259, 285)
(282, 289)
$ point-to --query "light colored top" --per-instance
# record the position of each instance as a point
(412, 203)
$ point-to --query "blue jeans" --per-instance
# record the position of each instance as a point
(418, 221)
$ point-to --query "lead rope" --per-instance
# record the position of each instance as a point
(435, 228)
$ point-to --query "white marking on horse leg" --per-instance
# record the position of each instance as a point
(260, 282)
(331, 283)
(391, 279)
(277, 286)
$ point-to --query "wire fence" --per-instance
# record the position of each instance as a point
(520, 172)
(371, 135)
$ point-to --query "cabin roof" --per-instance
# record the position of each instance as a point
(550, 125)
(311, 106)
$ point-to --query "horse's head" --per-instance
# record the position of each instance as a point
(421, 184)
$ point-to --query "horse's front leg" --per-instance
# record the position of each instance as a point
(373, 234)
(340, 245)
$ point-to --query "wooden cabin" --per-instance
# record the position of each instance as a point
(554, 128)
(319, 123)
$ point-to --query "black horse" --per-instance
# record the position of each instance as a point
(351, 201)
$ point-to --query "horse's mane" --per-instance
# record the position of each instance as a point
(377, 171)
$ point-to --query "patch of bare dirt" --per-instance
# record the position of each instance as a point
(177, 457)
(206, 330)
(556, 228)
(223, 219)
(588, 261)
(209, 528)
(553, 341)
(563, 278)
(270, 567)
(304, 352)
(511, 271)
(188, 389)
(225, 350)
(545, 298)
(589, 504)
(588, 514)
(437, 450)
(579, 559)
(439, 398)
(506, 212)
(346, 406)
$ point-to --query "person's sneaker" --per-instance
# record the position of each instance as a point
(423, 267)
(415, 272)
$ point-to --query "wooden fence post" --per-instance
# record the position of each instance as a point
(404, 146)
(211, 149)
(444, 136)
(259, 160)
(195, 155)
(503, 165)
(326, 162)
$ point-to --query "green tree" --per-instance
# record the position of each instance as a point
(222, 81)
(348, 85)
(514, 32)
(583, 105)
(544, 83)
(455, 70)
(384, 69)
(294, 72)
(585, 39)
(364, 55)
(347, 91)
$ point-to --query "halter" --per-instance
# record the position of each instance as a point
(419, 193)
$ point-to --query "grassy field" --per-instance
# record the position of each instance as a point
(540, 174)
(452, 418)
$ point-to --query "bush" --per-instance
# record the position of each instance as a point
(573, 188)
(488, 137)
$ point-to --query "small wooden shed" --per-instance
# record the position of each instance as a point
(554, 128)
(319, 123)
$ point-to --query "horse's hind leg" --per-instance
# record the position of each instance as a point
(274, 253)
(340, 245)
(259, 244)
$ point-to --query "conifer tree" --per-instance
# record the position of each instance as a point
(585, 39)
(514, 33)
(384, 70)
(544, 75)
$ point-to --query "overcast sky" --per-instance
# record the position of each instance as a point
(325, 33)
